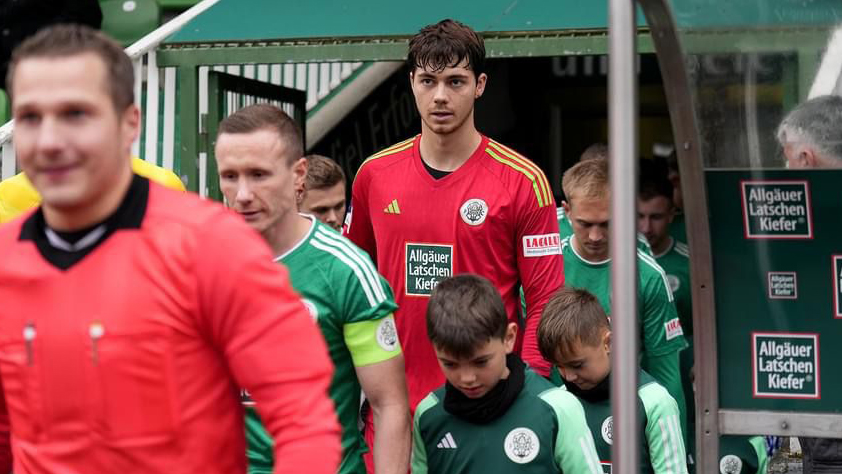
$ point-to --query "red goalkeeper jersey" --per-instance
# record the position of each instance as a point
(127, 357)
(494, 216)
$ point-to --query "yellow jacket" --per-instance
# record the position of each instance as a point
(17, 195)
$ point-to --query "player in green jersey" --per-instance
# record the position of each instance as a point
(587, 265)
(655, 214)
(259, 158)
(494, 415)
(677, 228)
(597, 151)
(566, 230)
(575, 335)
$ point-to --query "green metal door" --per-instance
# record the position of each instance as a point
(227, 94)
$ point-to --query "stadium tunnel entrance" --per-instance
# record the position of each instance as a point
(550, 109)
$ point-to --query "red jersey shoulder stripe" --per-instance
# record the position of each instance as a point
(512, 159)
(525, 172)
(398, 147)
(543, 184)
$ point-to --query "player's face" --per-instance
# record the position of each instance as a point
(328, 205)
(653, 220)
(69, 139)
(586, 365)
(257, 179)
(589, 218)
(474, 376)
(445, 99)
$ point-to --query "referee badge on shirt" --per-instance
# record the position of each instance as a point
(474, 211)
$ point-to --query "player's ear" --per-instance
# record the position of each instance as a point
(299, 173)
(808, 157)
(482, 79)
(606, 341)
(566, 206)
(510, 337)
(130, 124)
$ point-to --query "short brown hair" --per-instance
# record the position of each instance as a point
(71, 40)
(465, 312)
(322, 173)
(265, 116)
(571, 315)
(446, 44)
(588, 179)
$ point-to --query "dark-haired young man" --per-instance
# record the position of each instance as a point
(451, 200)
(127, 326)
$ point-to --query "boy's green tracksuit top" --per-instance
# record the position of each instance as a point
(662, 444)
(544, 431)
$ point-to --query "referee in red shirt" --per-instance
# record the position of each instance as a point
(132, 314)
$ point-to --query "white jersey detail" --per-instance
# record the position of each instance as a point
(364, 271)
(652, 263)
(588, 448)
(670, 437)
(447, 442)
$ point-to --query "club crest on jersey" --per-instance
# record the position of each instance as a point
(673, 328)
(387, 334)
(730, 464)
(474, 211)
(541, 245)
(521, 445)
(608, 430)
(674, 282)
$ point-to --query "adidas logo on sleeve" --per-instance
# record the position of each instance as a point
(447, 442)
(392, 208)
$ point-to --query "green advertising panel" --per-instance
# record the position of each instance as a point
(776, 238)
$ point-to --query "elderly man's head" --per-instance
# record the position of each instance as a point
(811, 134)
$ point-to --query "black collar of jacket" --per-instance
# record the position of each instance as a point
(129, 215)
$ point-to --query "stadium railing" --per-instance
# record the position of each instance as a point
(156, 93)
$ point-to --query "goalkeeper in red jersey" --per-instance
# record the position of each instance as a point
(451, 201)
